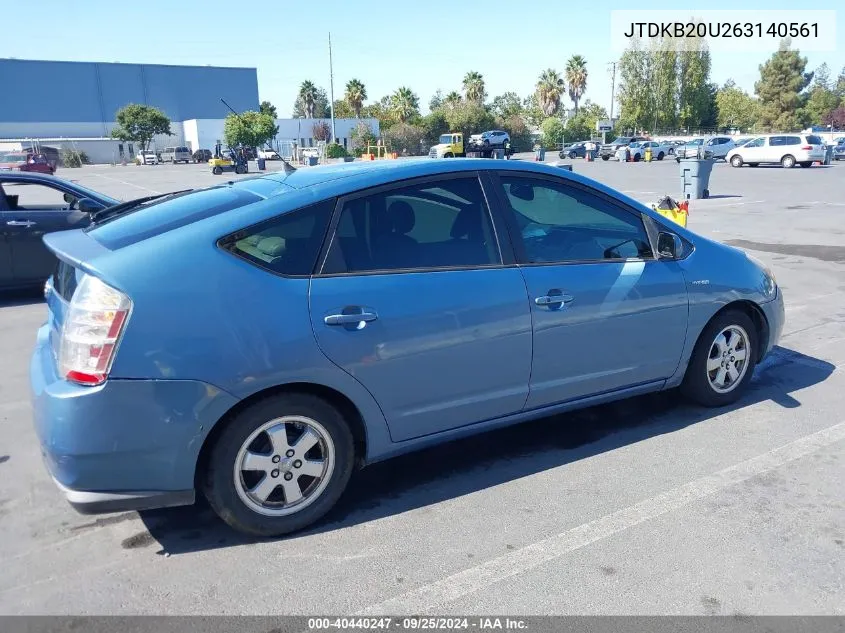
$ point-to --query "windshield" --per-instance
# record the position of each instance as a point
(695, 142)
(446, 138)
(621, 140)
(637, 144)
(12, 158)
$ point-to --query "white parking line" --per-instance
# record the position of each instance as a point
(521, 560)
(124, 182)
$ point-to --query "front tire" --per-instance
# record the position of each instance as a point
(279, 465)
(736, 160)
(723, 360)
(216, 170)
(660, 156)
(605, 158)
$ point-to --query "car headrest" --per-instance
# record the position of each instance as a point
(467, 224)
(273, 246)
(402, 217)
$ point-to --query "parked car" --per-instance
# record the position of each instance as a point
(658, 150)
(176, 155)
(202, 155)
(839, 151)
(284, 356)
(147, 157)
(574, 150)
(269, 154)
(786, 149)
(609, 150)
(31, 205)
(690, 149)
(25, 161)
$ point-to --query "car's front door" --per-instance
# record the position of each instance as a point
(415, 300)
(754, 150)
(607, 315)
(31, 211)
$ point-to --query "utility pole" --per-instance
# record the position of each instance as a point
(612, 89)
(331, 86)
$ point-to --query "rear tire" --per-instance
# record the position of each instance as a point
(660, 156)
(605, 158)
(448, 155)
(573, 155)
(248, 501)
(736, 161)
(708, 379)
(216, 171)
(787, 162)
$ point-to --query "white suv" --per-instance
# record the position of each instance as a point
(786, 149)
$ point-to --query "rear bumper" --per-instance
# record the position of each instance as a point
(125, 444)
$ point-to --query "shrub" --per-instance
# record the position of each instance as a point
(519, 133)
(406, 139)
(334, 150)
(361, 136)
(321, 131)
(553, 133)
(74, 158)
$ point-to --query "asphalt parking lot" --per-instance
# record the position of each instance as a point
(647, 506)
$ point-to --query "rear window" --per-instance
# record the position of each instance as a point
(182, 149)
(814, 140)
(157, 218)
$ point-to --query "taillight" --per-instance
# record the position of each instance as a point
(807, 147)
(94, 323)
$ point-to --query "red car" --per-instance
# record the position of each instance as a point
(25, 161)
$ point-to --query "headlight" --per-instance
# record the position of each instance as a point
(770, 284)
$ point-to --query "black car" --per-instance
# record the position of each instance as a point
(202, 155)
(574, 150)
(32, 204)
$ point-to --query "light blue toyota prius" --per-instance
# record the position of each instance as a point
(257, 341)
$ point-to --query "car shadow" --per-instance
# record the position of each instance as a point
(720, 196)
(490, 459)
(23, 297)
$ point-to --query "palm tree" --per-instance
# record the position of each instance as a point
(474, 87)
(355, 96)
(308, 96)
(576, 77)
(453, 98)
(550, 87)
(404, 103)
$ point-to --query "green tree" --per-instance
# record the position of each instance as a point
(736, 108)
(507, 105)
(268, 108)
(405, 104)
(342, 109)
(636, 103)
(822, 98)
(406, 139)
(663, 68)
(311, 102)
(694, 93)
(576, 78)
(518, 131)
(356, 94)
(251, 129)
(361, 136)
(436, 101)
(452, 99)
(550, 87)
(554, 132)
(532, 111)
(434, 124)
(469, 117)
(383, 111)
(474, 89)
(782, 80)
(140, 123)
(582, 126)
(839, 88)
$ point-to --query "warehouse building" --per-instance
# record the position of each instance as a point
(72, 105)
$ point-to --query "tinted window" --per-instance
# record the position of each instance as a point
(757, 142)
(559, 223)
(777, 141)
(814, 140)
(287, 245)
(433, 225)
(792, 140)
(171, 213)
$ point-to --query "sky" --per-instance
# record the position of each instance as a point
(386, 44)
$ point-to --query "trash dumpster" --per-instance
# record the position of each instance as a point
(311, 161)
(262, 165)
(695, 177)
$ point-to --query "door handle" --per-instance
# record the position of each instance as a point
(26, 223)
(352, 317)
(553, 299)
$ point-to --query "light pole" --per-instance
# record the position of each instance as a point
(331, 86)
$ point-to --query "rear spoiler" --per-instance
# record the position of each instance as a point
(76, 248)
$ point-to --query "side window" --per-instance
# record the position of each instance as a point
(776, 141)
(439, 224)
(813, 140)
(792, 140)
(757, 142)
(288, 244)
(559, 223)
(31, 197)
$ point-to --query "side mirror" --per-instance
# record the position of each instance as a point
(87, 205)
(669, 245)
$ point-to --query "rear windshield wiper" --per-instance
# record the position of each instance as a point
(123, 207)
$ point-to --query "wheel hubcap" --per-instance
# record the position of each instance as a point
(284, 465)
(727, 362)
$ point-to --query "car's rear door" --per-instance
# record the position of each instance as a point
(420, 302)
(607, 315)
(33, 210)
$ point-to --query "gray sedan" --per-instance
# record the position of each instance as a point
(32, 204)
